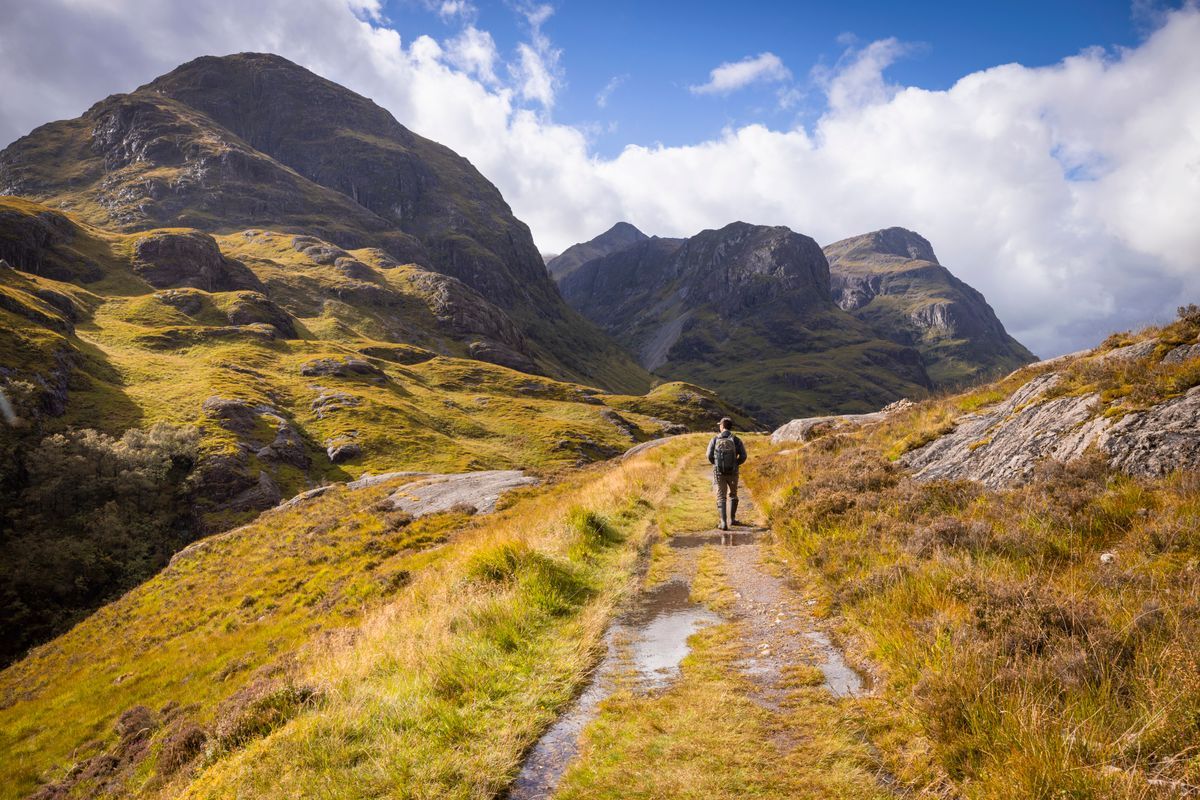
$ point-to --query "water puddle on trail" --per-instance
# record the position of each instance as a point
(645, 646)
(840, 677)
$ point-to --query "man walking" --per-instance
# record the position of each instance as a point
(726, 453)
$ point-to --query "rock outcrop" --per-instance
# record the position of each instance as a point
(808, 428)
(476, 492)
(173, 260)
(1003, 444)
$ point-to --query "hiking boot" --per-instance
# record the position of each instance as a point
(721, 517)
(733, 520)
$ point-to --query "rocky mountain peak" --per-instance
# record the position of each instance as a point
(892, 280)
(618, 237)
(898, 242)
(252, 140)
(748, 263)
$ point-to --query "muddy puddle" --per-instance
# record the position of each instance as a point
(840, 677)
(643, 649)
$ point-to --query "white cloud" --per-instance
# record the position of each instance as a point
(474, 52)
(734, 75)
(613, 83)
(983, 169)
(537, 71)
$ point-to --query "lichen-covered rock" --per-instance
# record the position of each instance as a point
(1157, 441)
(1131, 352)
(479, 490)
(1002, 445)
(1185, 352)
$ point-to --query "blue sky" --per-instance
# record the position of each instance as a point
(655, 51)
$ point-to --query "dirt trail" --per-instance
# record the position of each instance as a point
(643, 649)
(647, 642)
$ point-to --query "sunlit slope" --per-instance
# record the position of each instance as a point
(334, 643)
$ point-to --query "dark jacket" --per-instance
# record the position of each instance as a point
(737, 443)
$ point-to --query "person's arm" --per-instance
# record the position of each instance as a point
(711, 453)
(741, 451)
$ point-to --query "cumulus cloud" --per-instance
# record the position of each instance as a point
(474, 52)
(734, 75)
(1067, 193)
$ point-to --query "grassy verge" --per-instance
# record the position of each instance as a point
(326, 649)
(1035, 642)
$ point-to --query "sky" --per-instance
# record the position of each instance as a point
(1050, 151)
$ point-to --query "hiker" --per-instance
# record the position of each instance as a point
(726, 453)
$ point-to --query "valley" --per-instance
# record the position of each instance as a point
(318, 480)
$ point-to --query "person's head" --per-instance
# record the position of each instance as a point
(726, 424)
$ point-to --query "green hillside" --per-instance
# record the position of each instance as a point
(185, 411)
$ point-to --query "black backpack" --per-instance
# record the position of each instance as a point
(725, 455)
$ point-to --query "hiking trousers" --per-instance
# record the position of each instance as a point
(725, 485)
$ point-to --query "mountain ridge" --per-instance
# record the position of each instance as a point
(179, 152)
(747, 309)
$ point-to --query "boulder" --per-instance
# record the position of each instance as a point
(287, 447)
(255, 308)
(170, 259)
(340, 368)
(802, 430)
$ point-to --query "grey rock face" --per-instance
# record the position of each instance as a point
(1002, 445)
(802, 430)
(1158, 441)
(1185, 352)
(1130, 352)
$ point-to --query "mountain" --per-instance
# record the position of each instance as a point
(892, 280)
(747, 310)
(249, 141)
(617, 237)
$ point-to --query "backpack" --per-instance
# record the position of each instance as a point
(725, 455)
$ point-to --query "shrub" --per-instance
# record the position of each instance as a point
(86, 516)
